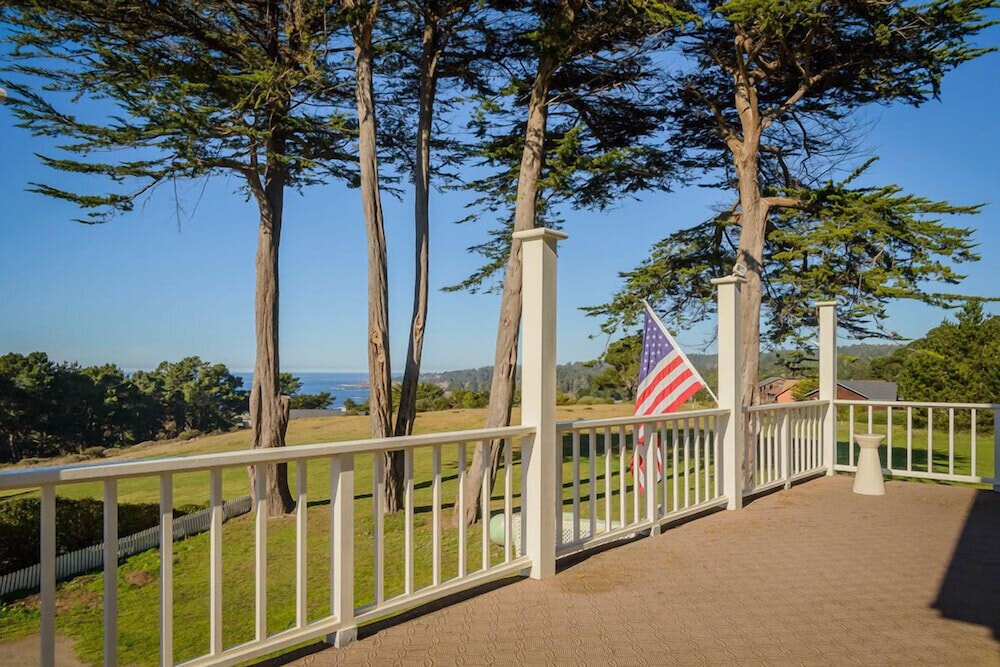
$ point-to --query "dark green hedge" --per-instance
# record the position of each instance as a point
(79, 524)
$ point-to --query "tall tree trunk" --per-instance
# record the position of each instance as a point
(508, 329)
(753, 230)
(379, 367)
(268, 408)
(407, 413)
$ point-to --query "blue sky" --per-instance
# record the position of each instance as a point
(147, 287)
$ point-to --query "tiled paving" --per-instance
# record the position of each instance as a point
(814, 575)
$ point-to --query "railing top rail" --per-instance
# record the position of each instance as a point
(635, 419)
(766, 407)
(920, 404)
(33, 477)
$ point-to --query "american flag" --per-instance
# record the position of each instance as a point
(666, 380)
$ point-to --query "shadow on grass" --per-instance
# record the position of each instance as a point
(970, 590)
(939, 457)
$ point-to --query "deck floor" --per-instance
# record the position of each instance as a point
(814, 575)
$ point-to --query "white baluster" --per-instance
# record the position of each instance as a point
(378, 532)
(576, 485)
(909, 438)
(508, 500)
(461, 509)
(592, 489)
(215, 561)
(110, 572)
(167, 568)
(47, 560)
(951, 441)
(408, 519)
(484, 504)
(436, 514)
(301, 544)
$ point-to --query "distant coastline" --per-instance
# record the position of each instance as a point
(341, 385)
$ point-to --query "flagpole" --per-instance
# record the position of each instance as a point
(677, 347)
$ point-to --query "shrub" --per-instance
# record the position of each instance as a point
(79, 524)
(564, 399)
(189, 434)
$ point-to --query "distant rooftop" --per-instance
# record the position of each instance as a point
(872, 390)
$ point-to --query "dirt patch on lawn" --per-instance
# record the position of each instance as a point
(24, 652)
(139, 578)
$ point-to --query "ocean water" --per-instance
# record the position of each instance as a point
(342, 385)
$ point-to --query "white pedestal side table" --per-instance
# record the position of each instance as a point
(868, 478)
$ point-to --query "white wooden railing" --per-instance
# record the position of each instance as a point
(922, 440)
(340, 623)
(787, 441)
(603, 503)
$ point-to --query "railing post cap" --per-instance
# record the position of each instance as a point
(729, 280)
(542, 233)
(825, 304)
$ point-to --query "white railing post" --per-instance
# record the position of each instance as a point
(730, 343)
(785, 438)
(538, 395)
(342, 548)
(828, 380)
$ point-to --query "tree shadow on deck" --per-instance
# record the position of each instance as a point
(970, 590)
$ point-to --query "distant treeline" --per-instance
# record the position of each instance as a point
(613, 376)
(50, 409)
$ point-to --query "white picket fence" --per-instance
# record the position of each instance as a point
(92, 557)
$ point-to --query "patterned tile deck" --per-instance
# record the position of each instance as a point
(814, 575)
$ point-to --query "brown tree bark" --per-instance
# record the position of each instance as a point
(268, 408)
(508, 329)
(407, 413)
(753, 216)
(379, 367)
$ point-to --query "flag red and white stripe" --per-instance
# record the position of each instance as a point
(667, 379)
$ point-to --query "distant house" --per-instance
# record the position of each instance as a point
(774, 387)
(862, 390)
(787, 395)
